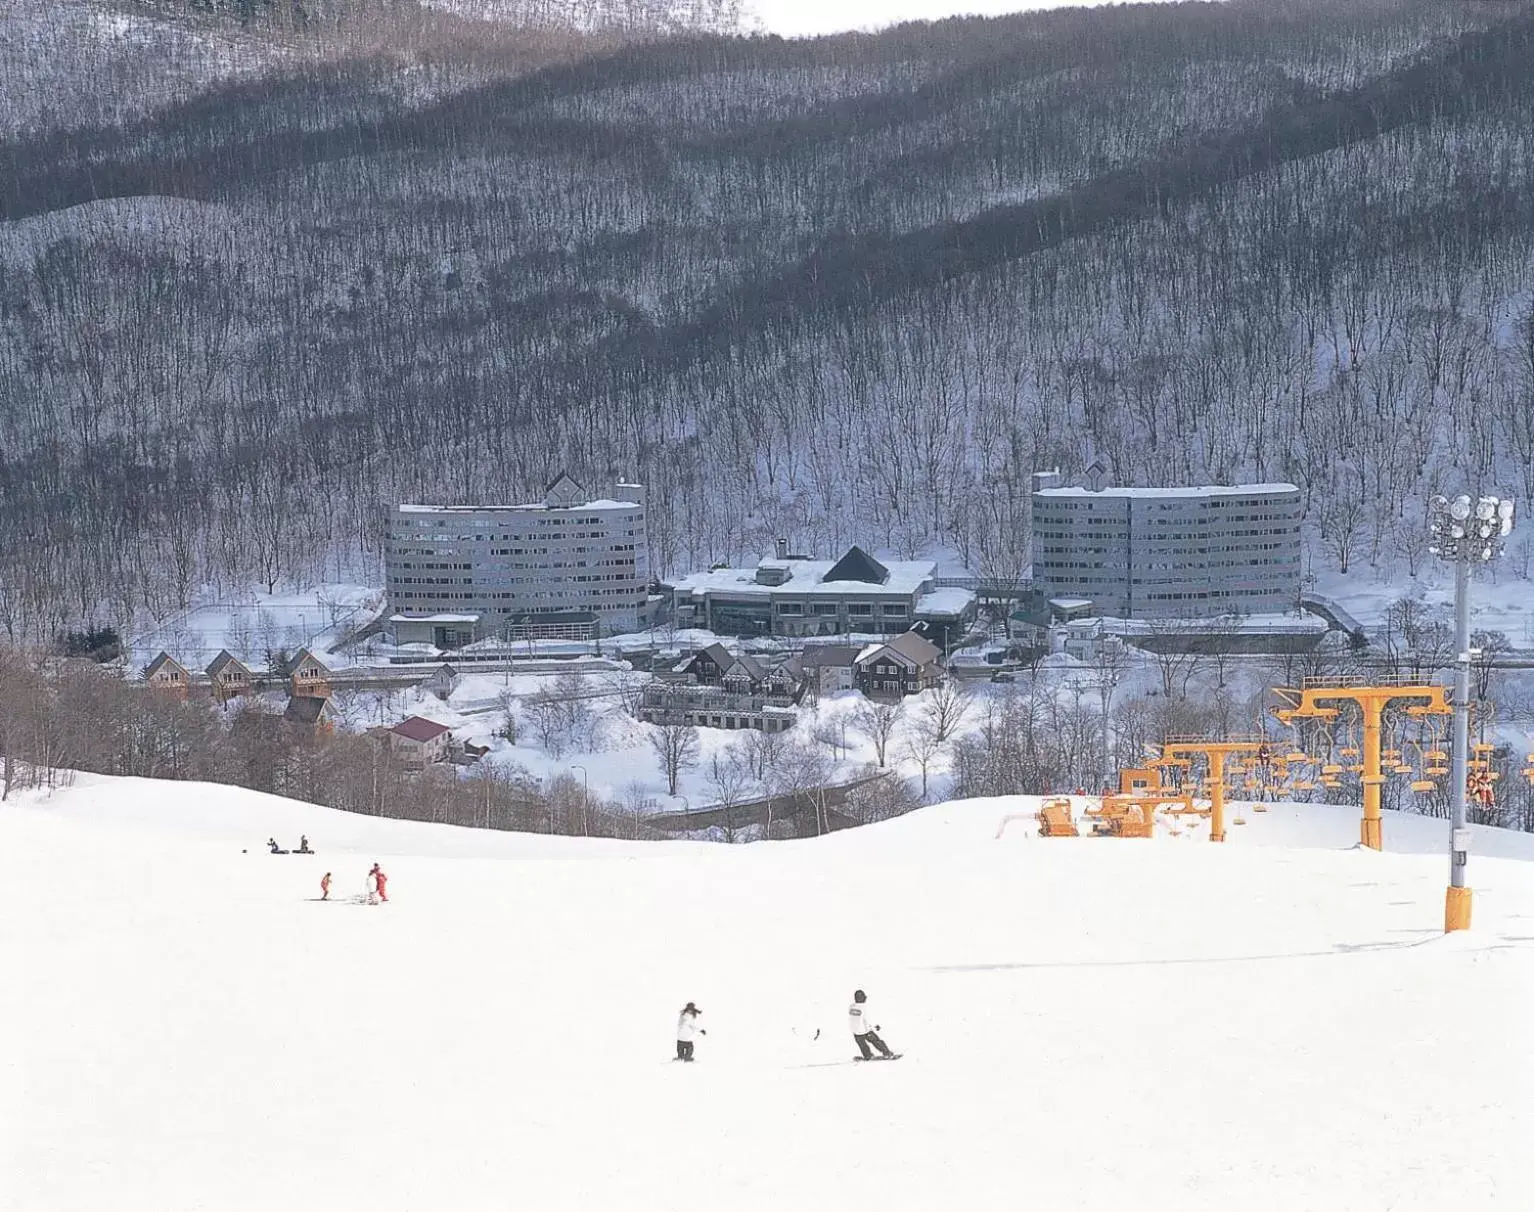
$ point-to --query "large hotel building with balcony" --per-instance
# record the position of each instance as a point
(1167, 552)
(570, 566)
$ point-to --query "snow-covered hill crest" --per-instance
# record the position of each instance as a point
(1099, 1024)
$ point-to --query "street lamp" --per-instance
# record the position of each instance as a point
(1466, 531)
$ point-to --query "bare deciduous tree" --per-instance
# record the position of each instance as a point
(945, 709)
(676, 748)
(878, 722)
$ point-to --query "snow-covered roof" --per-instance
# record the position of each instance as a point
(532, 507)
(905, 578)
(945, 601)
(1069, 603)
(1229, 624)
(434, 618)
(1204, 490)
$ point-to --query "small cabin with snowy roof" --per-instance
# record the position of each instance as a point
(169, 675)
(229, 677)
(308, 675)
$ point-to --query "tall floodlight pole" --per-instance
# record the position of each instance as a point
(1467, 531)
(585, 797)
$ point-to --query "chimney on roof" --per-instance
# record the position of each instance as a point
(782, 549)
(1046, 479)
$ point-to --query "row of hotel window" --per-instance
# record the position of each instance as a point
(1111, 504)
(529, 518)
(488, 566)
(855, 609)
(454, 595)
(458, 552)
(1160, 536)
(1246, 586)
(415, 527)
(1122, 523)
(499, 581)
(1178, 568)
(1138, 556)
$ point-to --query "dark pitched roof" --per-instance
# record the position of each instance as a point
(305, 709)
(419, 728)
(717, 653)
(749, 665)
(561, 484)
(223, 660)
(302, 655)
(160, 662)
(858, 565)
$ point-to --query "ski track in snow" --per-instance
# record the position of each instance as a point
(1086, 1024)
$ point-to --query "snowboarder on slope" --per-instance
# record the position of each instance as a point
(686, 1028)
(325, 887)
(864, 1030)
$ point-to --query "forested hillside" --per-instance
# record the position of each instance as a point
(846, 290)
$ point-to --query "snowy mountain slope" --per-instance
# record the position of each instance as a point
(74, 62)
(808, 18)
(1085, 1024)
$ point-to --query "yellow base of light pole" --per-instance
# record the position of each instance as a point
(1456, 909)
(1370, 835)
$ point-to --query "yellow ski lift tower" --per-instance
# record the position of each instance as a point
(1215, 753)
(1320, 698)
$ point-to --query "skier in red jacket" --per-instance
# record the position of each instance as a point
(383, 882)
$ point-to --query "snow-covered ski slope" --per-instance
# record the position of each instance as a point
(1086, 1024)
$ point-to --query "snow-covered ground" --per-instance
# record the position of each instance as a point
(1086, 1024)
(808, 18)
(1500, 600)
(260, 623)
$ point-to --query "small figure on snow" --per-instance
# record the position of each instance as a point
(325, 887)
(864, 1029)
(272, 845)
(378, 885)
(303, 844)
(686, 1028)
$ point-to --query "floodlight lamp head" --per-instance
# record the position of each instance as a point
(1456, 532)
(1439, 503)
(1459, 509)
(1507, 527)
(1505, 510)
(1486, 508)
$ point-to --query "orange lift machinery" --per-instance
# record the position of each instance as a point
(1132, 811)
(1322, 699)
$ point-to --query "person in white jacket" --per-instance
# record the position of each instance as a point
(686, 1028)
(864, 1029)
